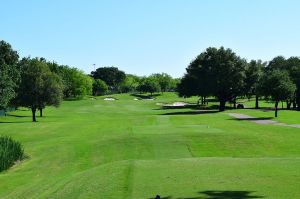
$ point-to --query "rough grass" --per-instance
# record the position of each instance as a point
(10, 152)
(134, 149)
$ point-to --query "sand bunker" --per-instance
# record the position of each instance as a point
(261, 120)
(176, 104)
(109, 99)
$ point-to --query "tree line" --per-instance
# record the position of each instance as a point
(36, 83)
(112, 80)
(219, 72)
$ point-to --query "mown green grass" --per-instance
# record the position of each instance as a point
(133, 149)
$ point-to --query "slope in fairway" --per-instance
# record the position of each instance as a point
(133, 149)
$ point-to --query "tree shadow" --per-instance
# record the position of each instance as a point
(5, 122)
(213, 194)
(167, 197)
(21, 116)
(228, 195)
(145, 96)
(200, 112)
(252, 119)
(190, 106)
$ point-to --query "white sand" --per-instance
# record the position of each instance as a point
(109, 99)
(176, 104)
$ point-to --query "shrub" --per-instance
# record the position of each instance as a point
(10, 152)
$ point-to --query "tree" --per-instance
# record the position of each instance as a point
(39, 87)
(130, 83)
(76, 84)
(217, 72)
(278, 86)
(148, 85)
(9, 73)
(164, 80)
(112, 76)
(253, 74)
(293, 65)
(52, 94)
(99, 87)
(174, 84)
(187, 87)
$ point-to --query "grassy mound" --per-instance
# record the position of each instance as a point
(10, 152)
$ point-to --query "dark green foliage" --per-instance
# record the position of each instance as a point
(148, 85)
(10, 152)
(253, 74)
(39, 87)
(188, 86)
(99, 87)
(9, 73)
(217, 72)
(164, 80)
(278, 86)
(130, 83)
(292, 66)
(112, 76)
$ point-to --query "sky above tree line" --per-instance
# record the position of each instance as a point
(149, 36)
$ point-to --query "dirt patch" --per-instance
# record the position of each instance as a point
(261, 120)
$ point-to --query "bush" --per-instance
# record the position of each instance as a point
(10, 152)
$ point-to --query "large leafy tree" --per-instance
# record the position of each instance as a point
(292, 66)
(112, 76)
(99, 87)
(39, 87)
(76, 84)
(148, 85)
(187, 86)
(254, 72)
(164, 80)
(9, 73)
(218, 72)
(130, 83)
(278, 86)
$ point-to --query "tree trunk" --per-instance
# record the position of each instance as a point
(294, 104)
(33, 110)
(288, 105)
(41, 112)
(276, 108)
(234, 103)
(256, 102)
(222, 106)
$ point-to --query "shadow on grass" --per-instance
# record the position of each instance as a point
(252, 119)
(21, 116)
(191, 106)
(145, 96)
(228, 194)
(17, 122)
(219, 195)
(192, 112)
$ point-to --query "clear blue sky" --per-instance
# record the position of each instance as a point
(146, 36)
